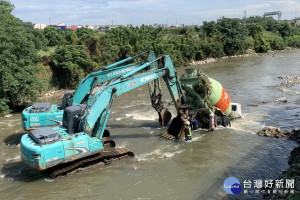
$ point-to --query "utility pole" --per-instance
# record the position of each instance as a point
(245, 14)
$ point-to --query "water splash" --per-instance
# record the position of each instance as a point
(251, 122)
(160, 153)
(49, 180)
(123, 145)
(18, 157)
(136, 105)
(149, 116)
(118, 118)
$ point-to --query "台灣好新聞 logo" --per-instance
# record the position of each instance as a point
(232, 186)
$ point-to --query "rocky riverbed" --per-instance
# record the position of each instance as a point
(271, 131)
(53, 94)
(293, 172)
(291, 80)
(211, 60)
(249, 52)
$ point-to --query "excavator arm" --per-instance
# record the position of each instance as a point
(97, 113)
(106, 74)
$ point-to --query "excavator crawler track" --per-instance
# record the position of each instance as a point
(108, 143)
(100, 159)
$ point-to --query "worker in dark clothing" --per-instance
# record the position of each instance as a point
(188, 131)
(194, 123)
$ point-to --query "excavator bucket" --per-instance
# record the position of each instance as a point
(164, 117)
(176, 129)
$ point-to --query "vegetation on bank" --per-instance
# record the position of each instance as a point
(19, 44)
(24, 54)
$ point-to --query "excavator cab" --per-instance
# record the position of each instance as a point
(72, 117)
(66, 98)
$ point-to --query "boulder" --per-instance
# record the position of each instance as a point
(282, 99)
(270, 131)
(291, 80)
(253, 104)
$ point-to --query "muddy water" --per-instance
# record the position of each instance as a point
(164, 169)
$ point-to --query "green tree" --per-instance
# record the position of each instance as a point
(210, 28)
(234, 35)
(70, 37)
(94, 47)
(213, 39)
(71, 63)
(213, 48)
(19, 43)
(285, 29)
(74, 38)
(260, 41)
(54, 36)
(7, 6)
(85, 33)
(270, 24)
(276, 42)
(254, 20)
(293, 41)
(200, 55)
(250, 42)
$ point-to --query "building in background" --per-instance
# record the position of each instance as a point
(60, 26)
(72, 27)
(39, 26)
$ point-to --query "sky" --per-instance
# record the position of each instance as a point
(149, 12)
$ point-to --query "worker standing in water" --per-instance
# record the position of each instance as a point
(188, 131)
(194, 123)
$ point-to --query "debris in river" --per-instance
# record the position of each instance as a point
(282, 99)
(272, 131)
(279, 100)
(253, 104)
(290, 80)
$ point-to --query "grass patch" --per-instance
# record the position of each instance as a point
(46, 52)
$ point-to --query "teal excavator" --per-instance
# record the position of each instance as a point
(82, 138)
(47, 114)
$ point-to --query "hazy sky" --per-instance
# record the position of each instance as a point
(137, 12)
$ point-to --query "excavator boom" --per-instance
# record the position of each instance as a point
(47, 114)
(104, 95)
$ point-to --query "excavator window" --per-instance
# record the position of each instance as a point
(66, 119)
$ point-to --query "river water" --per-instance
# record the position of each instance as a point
(165, 169)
